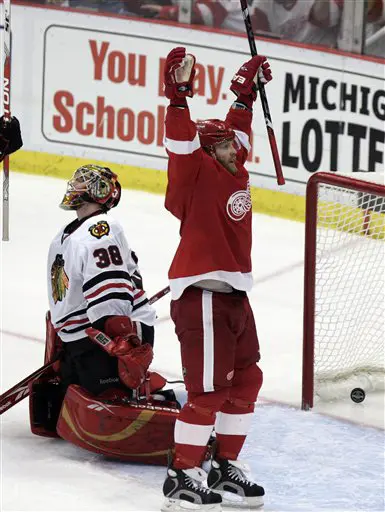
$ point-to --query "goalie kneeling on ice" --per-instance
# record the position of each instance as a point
(136, 431)
(132, 431)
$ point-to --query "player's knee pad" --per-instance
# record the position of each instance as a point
(246, 385)
(127, 430)
(207, 404)
(45, 400)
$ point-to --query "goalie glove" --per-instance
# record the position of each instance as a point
(179, 74)
(245, 82)
(10, 137)
(133, 358)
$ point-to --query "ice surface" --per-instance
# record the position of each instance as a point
(306, 461)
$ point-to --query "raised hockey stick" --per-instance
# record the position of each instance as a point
(6, 109)
(262, 92)
(21, 390)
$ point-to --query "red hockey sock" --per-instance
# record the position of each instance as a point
(231, 426)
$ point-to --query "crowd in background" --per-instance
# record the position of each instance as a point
(304, 21)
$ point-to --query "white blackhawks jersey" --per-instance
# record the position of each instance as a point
(92, 273)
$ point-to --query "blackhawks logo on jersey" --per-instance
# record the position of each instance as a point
(99, 229)
(59, 279)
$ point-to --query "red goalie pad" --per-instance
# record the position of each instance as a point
(53, 343)
(133, 431)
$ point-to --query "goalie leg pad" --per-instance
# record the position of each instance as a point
(45, 400)
(126, 430)
(53, 343)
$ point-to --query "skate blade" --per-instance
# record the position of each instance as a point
(230, 500)
(170, 505)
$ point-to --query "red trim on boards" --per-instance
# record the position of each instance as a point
(201, 28)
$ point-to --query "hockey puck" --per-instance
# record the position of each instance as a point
(357, 395)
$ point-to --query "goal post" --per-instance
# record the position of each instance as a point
(344, 287)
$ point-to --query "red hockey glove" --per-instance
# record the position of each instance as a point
(133, 358)
(179, 74)
(121, 326)
(154, 382)
(245, 82)
(10, 137)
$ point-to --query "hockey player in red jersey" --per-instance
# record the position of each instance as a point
(10, 137)
(210, 275)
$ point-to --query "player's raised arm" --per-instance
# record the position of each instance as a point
(244, 85)
(181, 137)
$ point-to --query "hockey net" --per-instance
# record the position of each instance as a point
(344, 293)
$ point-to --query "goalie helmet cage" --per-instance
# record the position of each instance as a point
(343, 335)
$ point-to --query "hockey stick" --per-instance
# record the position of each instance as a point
(265, 105)
(159, 295)
(6, 109)
(21, 390)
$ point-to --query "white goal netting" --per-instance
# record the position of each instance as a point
(349, 292)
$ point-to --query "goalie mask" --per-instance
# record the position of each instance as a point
(92, 184)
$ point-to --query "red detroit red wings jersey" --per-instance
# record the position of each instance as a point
(213, 205)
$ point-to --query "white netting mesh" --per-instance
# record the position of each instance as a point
(350, 292)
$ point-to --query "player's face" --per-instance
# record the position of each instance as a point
(226, 154)
(79, 182)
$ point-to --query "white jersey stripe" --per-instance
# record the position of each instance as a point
(237, 280)
(196, 435)
(243, 139)
(208, 341)
(182, 147)
(233, 424)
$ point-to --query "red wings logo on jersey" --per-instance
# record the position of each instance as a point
(99, 229)
(59, 279)
(239, 204)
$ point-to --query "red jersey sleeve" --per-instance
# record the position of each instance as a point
(185, 159)
(240, 122)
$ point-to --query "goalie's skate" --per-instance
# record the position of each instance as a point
(184, 491)
(228, 477)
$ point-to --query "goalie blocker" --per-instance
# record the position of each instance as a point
(112, 423)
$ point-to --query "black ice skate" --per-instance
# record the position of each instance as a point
(228, 477)
(183, 490)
